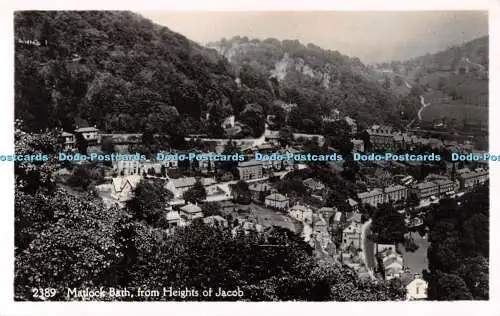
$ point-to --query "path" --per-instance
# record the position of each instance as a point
(367, 247)
(424, 105)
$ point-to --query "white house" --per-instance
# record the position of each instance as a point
(69, 141)
(191, 211)
(301, 213)
(91, 134)
(123, 187)
(416, 289)
(228, 122)
(181, 185)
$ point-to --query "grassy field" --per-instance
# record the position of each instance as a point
(416, 261)
(264, 216)
(455, 110)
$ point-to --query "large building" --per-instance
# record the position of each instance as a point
(190, 212)
(181, 185)
(351, 236)
(90, 134)
(277, 201)
(381, 137)
(377, 196)
(301, 213)
(373, 197)
(425, 189)
(250, 170)
(469, 179)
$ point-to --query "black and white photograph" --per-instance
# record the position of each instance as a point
(251, 156)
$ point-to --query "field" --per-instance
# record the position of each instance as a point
(455, 110)
(416, 261)
(264, 216)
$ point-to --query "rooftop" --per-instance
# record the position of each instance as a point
(276, 197)
(86, 129)
(191, 208)
(249, 163)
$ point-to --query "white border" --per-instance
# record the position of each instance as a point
(8, 307)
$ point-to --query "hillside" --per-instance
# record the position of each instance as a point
(316, 79)
(119, 71)
(454, 81)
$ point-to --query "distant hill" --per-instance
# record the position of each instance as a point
(454, 80)
(314, 78)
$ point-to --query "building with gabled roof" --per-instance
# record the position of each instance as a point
(277, 201)
(123, 187)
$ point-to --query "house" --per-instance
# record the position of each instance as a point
(277, 201)
(215, 220)
(393, 266)
(301, 213)
(358, 145)
(181, 185)
(320, 225)
(250, 170)
(318, 139)
(391, 261)
(259, 191)
(123, 187)
(337, 218)
(425, 189)
(381, 137)
(333, 116)
(313, 185)
(416, 289)
(351, 236)
(355, 217)
(353, 204)
(190, 212)
(327, 212)
(228, 122)
(90, 134)
(127, 167)
(351, 123)
(469, 179)
(69, 141)
(373, 197)
(173, 218)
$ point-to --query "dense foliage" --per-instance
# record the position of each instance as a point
(317, 80)
(459, 251)
(68, 239)
(118, 71)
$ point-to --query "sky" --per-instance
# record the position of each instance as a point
(373, 36)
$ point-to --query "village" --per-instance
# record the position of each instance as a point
(253, 198)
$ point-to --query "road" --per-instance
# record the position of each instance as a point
(424, 105)
(367, 247)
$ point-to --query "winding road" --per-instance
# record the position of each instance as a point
(367, 247)
(424, 105)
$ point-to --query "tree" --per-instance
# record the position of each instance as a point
(451, 287)
(195, 194)
(211, 208)
(81, 143)
(72, 247)
(80, 178)
(388, 225)
(148, 202)
(241, 193)
(107, 146)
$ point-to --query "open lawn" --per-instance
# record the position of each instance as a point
(264, 216)
(455, 110)
(416, 261)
